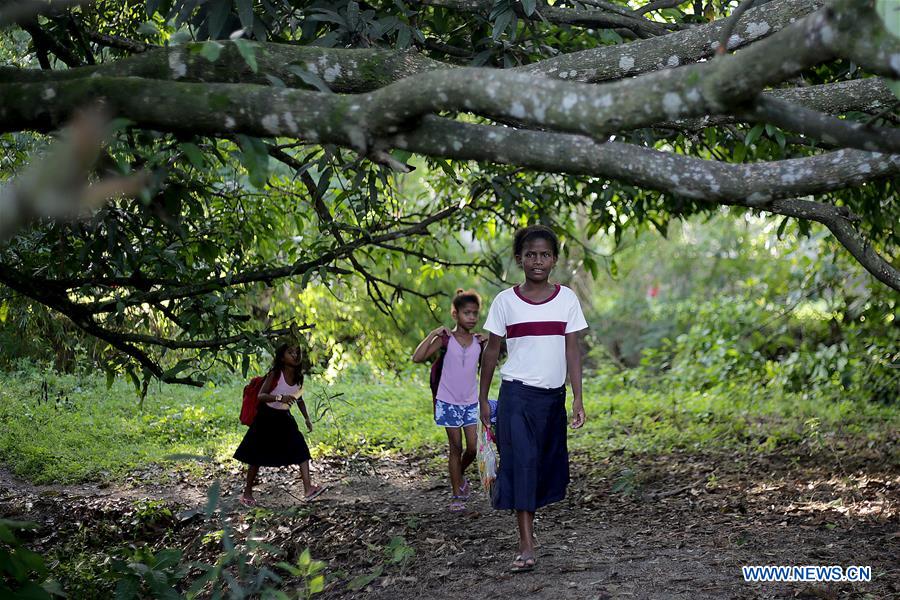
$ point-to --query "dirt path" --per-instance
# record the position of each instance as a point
(676, 526)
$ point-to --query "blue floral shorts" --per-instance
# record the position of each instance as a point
(455, 415)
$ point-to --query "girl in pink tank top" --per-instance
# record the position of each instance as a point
(456, 392)
(273, 439)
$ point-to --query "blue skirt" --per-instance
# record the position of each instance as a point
(531, 439)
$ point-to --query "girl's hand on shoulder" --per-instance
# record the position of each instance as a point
(440, 332)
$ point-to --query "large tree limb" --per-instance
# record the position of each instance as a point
(759, 185)
(597, 110)
(819, 126)
(678, 48)
(219, 342)
(868, 95)
(364, 70)
(218, 109)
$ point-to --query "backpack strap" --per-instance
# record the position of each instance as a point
(274, 376)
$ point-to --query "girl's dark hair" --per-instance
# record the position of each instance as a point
(278, 359)
(535, 232)
(463, 297)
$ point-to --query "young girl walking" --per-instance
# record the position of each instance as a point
(273, 439)
(539, 320)
(456, 398)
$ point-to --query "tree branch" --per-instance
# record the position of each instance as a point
(820, 126)
(681, 47)
(839, 221)
(26, 11)
(659, 5)
(364, 70)
(598, 19)
(151, 340)
(252, 275)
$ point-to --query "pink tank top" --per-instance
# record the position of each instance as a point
(281, 387)
(459, 377)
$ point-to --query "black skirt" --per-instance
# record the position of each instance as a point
(273, 440)
(531, 438)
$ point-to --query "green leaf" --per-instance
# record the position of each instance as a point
(31, 591)
(148, 28)
(309, 78)
(754, 134)
(361, 581)
(216, 16)
(212, 497)
(501, 23)
(779, 137)
(194, 154)
(404, 36)
(401, 155)
(591, 265)
(304, 558)
(889, 11)
(245, 14)
(528, 6)
(781, 227)
(255, 158)
(127, 589)
(248, 52)
(316, 584)
(211, 51)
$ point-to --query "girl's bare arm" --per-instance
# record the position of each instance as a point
(573, 365)
(265, 392)
(429, 345)
(489, 359)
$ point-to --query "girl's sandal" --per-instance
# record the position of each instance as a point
(465, 490)
(317, 491)
(457, 504)
(522, 565)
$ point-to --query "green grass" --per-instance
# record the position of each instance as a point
(104, 433)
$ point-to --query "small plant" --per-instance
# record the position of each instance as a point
(24, 574)
(625, 483)
(310, 571)
(147, 574)
(151, 514)
(399, 552)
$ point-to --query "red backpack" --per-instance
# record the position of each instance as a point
(251, 399)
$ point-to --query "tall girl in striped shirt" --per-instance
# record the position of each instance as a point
(539, 320)
(456, 398)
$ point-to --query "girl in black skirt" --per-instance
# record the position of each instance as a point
(273, 439)
(540, 321)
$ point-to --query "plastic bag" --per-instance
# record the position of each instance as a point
(487, 457)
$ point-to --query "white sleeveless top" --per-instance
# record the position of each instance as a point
(282, 387)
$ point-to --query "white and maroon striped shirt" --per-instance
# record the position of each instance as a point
(535, 334)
